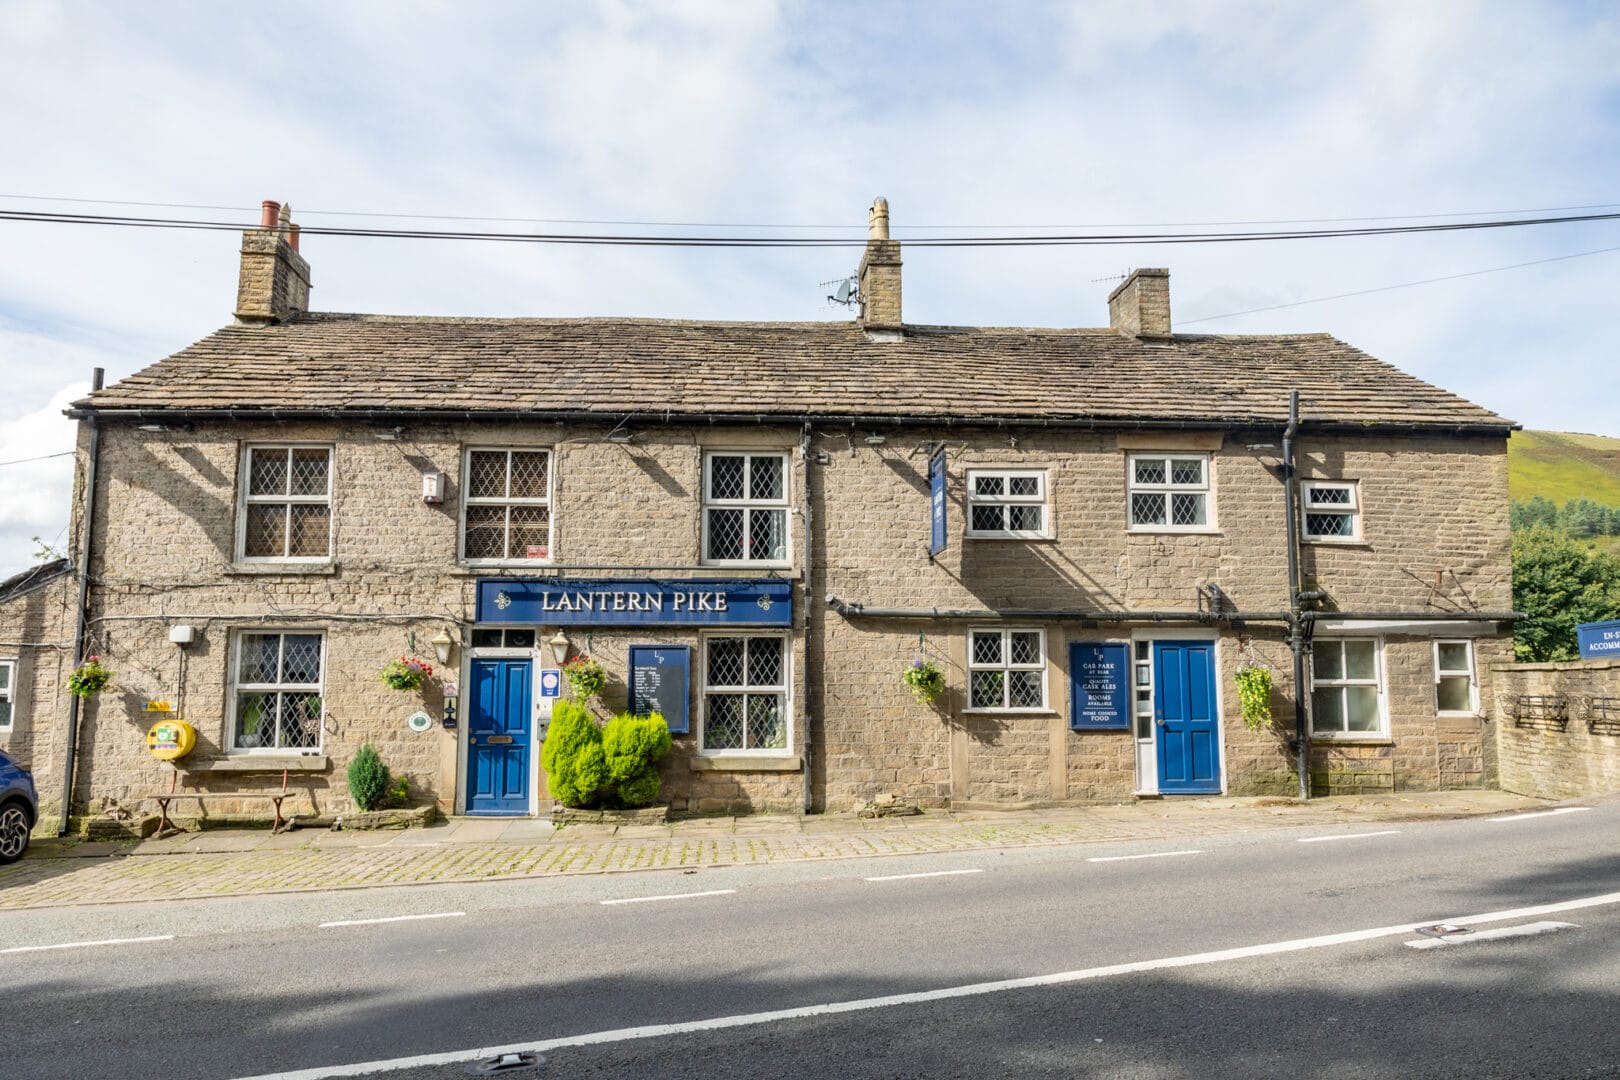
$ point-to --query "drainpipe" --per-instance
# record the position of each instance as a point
(1296, 622)
(84, 599)
(804, 455)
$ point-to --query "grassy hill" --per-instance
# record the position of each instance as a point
(1561, 466)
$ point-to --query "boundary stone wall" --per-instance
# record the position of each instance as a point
(1536, 757)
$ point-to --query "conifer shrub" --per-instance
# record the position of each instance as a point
(575, 765)
(633, 746)
(368, 778)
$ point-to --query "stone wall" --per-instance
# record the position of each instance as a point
(36, 631)
(1540, 759)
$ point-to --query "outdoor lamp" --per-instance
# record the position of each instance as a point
(441, 645)
(559, 647)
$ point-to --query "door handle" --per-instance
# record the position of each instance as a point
(474, 738)
(1159, 720)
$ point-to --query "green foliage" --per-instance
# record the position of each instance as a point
(89, 678)
(399, 792)
(926, 679)
(575, 765)
(634, 745)
(585, 676)
(406, 673)
(1254, 692)
(368, 778)
(1558, 584)
(1561, 466)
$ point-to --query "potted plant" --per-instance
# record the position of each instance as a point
(89, 678)
(1254, 693)
(926, 679)
(406, 673)
(585, 675)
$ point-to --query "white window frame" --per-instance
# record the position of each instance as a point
(1006, 665)
(1006, 500)
(8, 693)
(784, 690)
(548, 501)
(1205, 489)
(1449, 673)
(236, 688)
(748, 505)
(1352, 509)
(1380, 681)
(245, 499)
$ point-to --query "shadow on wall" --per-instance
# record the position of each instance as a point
(208, 503)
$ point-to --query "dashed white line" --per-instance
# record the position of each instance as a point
(671, 896)
(87, 944)
(1527, 930)
(1150, 855)
(1540, 813)
(395, 918)
(655, 1031)
(931, 873)
(1346, 836)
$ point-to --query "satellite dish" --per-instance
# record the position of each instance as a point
(845, 287)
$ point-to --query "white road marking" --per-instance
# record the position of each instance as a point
(1540, 813)
(1152, 855)
(655, 1031)
(395, 918)
(931, 873)
(1346, 836)
(87, 944)
(671, 896)
(1527, 930)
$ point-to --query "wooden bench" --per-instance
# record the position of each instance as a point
(163, 799)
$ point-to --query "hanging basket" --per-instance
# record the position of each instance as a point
(926, 679)
(1254, 694)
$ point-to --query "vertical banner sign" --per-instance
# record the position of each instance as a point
(936, 490)
(1099, 687)
(660, 682)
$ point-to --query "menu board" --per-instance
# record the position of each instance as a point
(661, 682)
(1099, 687)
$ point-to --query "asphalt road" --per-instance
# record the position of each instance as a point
(258, 986)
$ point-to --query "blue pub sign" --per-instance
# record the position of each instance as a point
(936, 504)
(1099, 687)
(1599, 640)
(635, 602)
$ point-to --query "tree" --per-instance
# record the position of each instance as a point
(1558, 584)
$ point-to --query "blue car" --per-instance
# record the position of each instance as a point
(19, 808)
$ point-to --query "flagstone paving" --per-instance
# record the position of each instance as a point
(237, 862)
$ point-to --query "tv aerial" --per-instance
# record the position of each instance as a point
(845, 292)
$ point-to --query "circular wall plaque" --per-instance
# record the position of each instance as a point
(419, 721)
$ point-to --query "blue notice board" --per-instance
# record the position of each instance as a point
(661, 682)
(1099, 686)
(936, 503)
(1599, 640)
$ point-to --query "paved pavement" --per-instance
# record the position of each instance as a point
(239, 862)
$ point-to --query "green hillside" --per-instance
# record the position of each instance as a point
(1560, 466)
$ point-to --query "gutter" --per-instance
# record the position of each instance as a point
(1296, 625)
(72, 741)
(804, 455)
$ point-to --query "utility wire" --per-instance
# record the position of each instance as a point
(1402, 285)
(599, 239)
(42, 457)
(769, 225)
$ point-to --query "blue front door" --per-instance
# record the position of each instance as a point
(498, 725)
(1184, 714)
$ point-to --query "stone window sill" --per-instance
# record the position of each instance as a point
(1376, 740)
(326, 568)
(745, 763)
(259, 763)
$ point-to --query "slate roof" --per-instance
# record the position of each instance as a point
(618, 367)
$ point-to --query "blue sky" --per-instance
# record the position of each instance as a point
(789, 113)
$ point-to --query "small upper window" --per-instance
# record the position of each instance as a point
(8, 691)
(1455, 689)
(745, 508)
(1006, 502)
(286, 510)
(506, 513)
(1330, 510)
(1169, 493)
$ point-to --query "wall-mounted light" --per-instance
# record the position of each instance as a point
(559, 646)
(441, 644)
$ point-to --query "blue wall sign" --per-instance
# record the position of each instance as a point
(1599, 640)
(936, 496)
(660, 682)
(1099, 687)
(551, 683)
(627, 602)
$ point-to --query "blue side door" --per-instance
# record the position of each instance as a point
(1184, 713)
(498, 725)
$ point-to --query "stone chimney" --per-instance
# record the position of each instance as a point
(273, 286)
(1140, 307)
(879, 275)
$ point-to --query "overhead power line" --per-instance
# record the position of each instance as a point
(692, 241)
(42, 457)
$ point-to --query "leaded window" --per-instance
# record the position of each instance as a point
(278, 691)
(286, 508)
(745, 693)
(1006, 502)
(8, 691)
(1168, 493)
(1346, 687)
(507, 507)
(745, 508)
(1006, 669)
(1330, 510)
(1455, 689)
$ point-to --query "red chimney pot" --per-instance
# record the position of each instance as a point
(269, 214)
